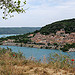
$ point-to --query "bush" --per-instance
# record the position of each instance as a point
(59, 61)
(67, 47)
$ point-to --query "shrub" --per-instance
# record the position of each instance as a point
(59, 61)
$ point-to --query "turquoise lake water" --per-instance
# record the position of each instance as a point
(37, 53)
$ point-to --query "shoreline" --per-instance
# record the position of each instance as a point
(32, 46)
(28, 45)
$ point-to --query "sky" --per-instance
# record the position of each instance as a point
(40, 13)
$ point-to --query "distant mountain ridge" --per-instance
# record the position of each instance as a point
(18, 30)
(68, 25)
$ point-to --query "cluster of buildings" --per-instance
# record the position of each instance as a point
(60, 38)
(46, 41)
(8, 41)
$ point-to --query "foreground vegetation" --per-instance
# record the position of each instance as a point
(12, 63)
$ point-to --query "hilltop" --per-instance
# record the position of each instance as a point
(68, 25)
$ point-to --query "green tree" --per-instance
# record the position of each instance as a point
(48, 44)
(10, 6)
(55, 44)
(68, 25)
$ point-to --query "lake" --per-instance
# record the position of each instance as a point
(37, 53)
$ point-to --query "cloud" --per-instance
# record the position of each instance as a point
(42, 12)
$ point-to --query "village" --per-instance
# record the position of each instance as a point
(51, 41)
(60, 38)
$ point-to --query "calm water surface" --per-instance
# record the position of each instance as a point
(37, 53)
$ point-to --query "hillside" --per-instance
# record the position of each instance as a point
(18, 30)
(68, 25)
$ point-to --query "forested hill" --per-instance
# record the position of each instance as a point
(68, 25)
(18, 30)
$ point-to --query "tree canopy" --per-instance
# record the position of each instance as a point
(10, 6)
(68, 25)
